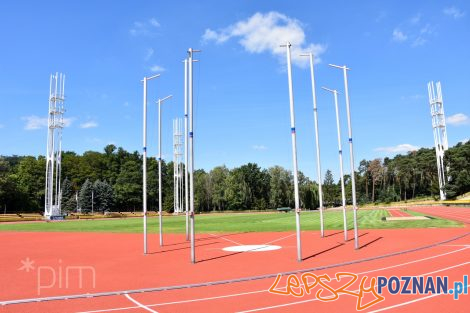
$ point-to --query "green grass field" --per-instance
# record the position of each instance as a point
(248, 222)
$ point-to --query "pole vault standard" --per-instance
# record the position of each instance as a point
(186, 205)
(144, 160)
(294, 152)
(340, 153)
(351, 151)
(191, 151)
(160, 222)
(317, 143)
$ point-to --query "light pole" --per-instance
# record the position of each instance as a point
(317, 142)
(294, 152)
(191, 152)
(340, 153)
(160, 222)
(144, 159)
(351, 151)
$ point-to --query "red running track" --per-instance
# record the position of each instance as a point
(119, 265)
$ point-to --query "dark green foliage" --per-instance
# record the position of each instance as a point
(118, 182)
(85, 196)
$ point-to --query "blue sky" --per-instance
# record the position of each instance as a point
(241, 98)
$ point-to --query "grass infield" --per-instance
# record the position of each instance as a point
(235, 222)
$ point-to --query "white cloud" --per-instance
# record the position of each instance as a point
(146, 28)
(419, 41)
(262, 33)
(405, 147)
(458, 119)
(416, 19)
(154, 22)
(157, 68)
(454, 12)
(89, 124)
(259, 147)
(148, 54)
(398, 35)
(34, 122)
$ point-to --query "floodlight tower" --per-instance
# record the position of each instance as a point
(440, 132)
(144, 159)
(351, 151)
(54, 146)
(317, 142)
(294, 152)
(191, 151)
(160, 222)
(177, 177)
(340, 153)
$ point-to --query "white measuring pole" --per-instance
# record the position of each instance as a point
(160, 221)
(191, 153)
(317, 142)
(186, 146)
(144, 159)
(294, 153)
(351, 152)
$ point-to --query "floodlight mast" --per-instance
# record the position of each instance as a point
(160, 222)
(191, 152)
(144, 159)
(317, 141)
(440, 133)
(294, 152)
(351, 151)
(340, 153)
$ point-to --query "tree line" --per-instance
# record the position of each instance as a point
(114, 177)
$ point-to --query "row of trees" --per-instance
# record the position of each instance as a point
(115, 178)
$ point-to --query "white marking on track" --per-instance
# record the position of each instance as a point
(408, 302)
(229, 240)
(139, 304)
(264, 290)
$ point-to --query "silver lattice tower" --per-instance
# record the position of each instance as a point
(440, 133)
(54, 146)
(178, 166)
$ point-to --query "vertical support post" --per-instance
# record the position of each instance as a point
(317, 142)
(191, 152)
(186, 146)
(340, 153)
(144, 165)
(351, 157)
(294, 153)
(160, 222)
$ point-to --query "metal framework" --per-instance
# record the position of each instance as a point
(440, 132)
(53, 193)
(178, 166)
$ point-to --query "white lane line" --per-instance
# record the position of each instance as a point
(408, 302)
(282, 238)
(139, 304)
(264, 290)
(315, 299)
(222, 237)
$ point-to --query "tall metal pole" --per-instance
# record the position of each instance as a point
(92, 201)
(186, 146)
(144, 159)
(144, 166)
(191, 153)
(294, 152)
(160, 221)
(317, 142)
(340, 153)
(351, 152)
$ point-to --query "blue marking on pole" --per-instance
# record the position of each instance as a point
(145, 149)
(350, 139)
(340, 151)
(186, 115)
(191, 134)
(292, 130)
(159, 159)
